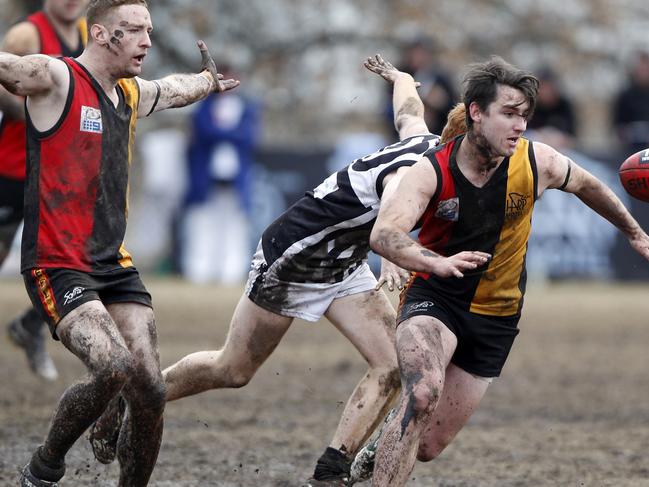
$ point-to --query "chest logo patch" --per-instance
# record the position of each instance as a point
(516, 204)
(448, 209)
(91, 120)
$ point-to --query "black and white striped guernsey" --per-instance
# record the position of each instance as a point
(324, 236)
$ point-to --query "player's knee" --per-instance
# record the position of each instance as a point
(430, 450)
(148, 389)
(424, 396)
(113, 374)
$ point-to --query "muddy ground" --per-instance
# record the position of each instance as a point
(571, 409)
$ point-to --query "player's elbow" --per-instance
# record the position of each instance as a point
(379, 238)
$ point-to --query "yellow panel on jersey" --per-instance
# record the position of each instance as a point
(82, 25)
(132, 98)
(500, 290)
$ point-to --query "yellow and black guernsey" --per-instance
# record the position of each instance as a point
(77, 179)
(495, 218)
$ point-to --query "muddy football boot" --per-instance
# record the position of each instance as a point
(363, 465)
(28, 479)
(104, 432)
(37, 470)
(331, 470)
(34, 346)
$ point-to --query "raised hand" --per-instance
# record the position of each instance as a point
(208, 64)
(384, 68)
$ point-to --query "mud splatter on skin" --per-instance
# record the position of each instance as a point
(83, 402)
(181, 90)
(415, 362)
(145, 394)
(412, 106)
(262, 342)
(117, 35)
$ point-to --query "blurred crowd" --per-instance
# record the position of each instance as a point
(206, 190)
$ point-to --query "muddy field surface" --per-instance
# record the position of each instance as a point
(571, 408)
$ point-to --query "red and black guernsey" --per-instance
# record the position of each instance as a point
(12, 132)
(77, 179)
(495, 218)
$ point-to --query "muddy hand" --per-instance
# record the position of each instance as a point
(384, 68)
(208, 64)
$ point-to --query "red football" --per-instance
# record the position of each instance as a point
(634, 175)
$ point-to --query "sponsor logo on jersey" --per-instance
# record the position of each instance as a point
(448, 209)
(91, 120)
(73, 294)
(516, 204)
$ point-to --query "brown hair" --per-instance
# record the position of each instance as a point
(455, 123)
(482, 81)
(97, 9)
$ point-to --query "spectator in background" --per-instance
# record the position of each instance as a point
(420, 59)
(631, 107)
(214, 224)
(554, 116)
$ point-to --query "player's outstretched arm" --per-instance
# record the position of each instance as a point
(179, 90)
(406, 103)
(556, 171)
(31, 75)
(397, 217)
(22, 39)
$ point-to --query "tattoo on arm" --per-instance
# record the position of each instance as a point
(179, 90)
(429, 253)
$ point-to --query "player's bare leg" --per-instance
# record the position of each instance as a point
(254, 334)
(368, 321)
(144, 393)
(89, 333)
(461, 396)
(425, 347)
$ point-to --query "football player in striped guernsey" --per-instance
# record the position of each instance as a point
(458, 315)
(81, 115)
(56, 30)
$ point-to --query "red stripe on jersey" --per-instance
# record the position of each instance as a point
(68, 182)
(50, 43)
(437, 218)
(442, 212)
(12, 132)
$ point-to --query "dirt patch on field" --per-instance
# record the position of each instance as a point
(571, 408)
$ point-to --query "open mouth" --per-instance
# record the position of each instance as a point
(139, 58)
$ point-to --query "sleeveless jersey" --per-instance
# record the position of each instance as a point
(324, 236)
(495, 219)
(12, 132)
(77, 179)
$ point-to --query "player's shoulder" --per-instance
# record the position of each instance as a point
(22, 39)
(544, 153)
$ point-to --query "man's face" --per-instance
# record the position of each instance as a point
(503, 123)
(129, 27)
(66, 11)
